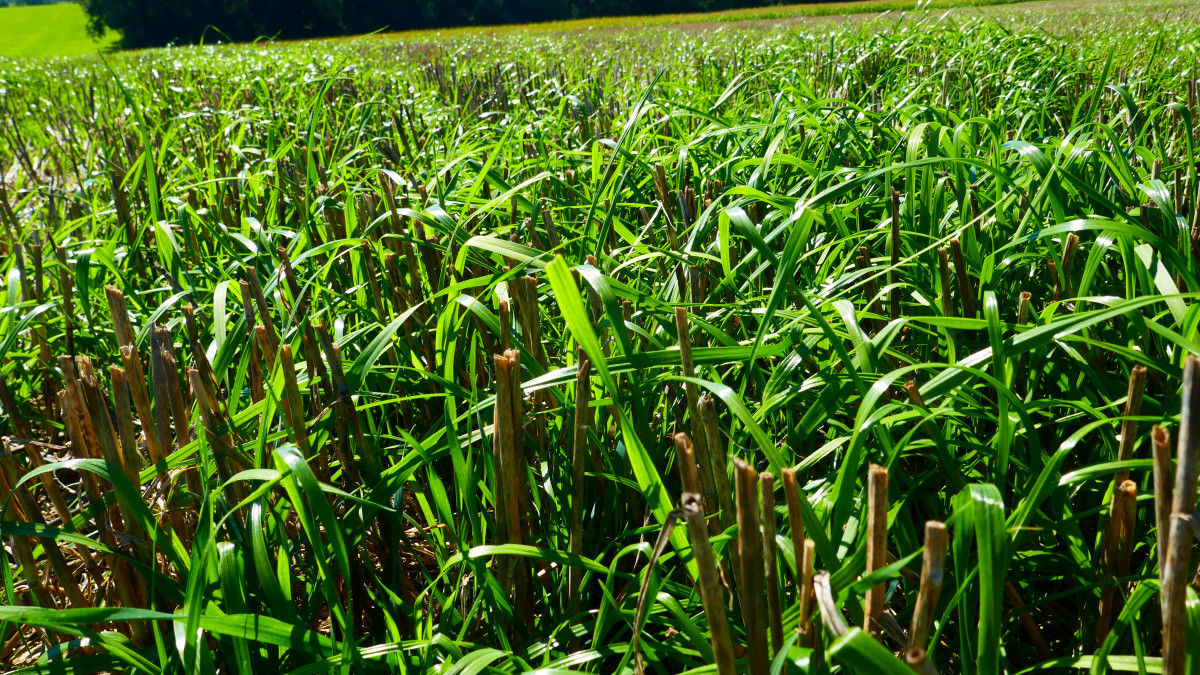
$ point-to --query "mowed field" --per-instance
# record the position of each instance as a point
(756, 344)
(61, 29)
(48, 30)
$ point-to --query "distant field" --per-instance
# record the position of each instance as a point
(47, 30)
(61, 29)
(728, 16)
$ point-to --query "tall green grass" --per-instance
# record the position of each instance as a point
(292, 338)
(48, 30)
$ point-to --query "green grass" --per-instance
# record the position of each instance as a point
(772, 13)
(48, 30)
(381, 349)
(61, 29)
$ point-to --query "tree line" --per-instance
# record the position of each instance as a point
(148, 23)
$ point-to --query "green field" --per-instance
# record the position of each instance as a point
(47, 30)
(772, 14)
(863, 345)
(61, 29)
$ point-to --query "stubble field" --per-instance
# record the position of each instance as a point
(815, 347)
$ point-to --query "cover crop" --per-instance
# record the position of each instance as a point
(857, 346)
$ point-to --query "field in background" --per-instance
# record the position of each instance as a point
(728, 17)
(47, 30)
(61, 29)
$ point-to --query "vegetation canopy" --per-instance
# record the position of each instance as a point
(59, 29)
(145, 23)
(854, 346)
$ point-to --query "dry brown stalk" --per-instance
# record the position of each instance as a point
(179, 407)
(264, 315)
(79, 424)
(685, 456)
(257, 390)
(966, 288)
(367, 255)
(141, 403)
(1115, 538)
(1129, 425)
(394, 217)
(660, 184)
(1057, 294)
(417, 288)
(51, 485)
(710, 584)
(1128, 492)
(345, 412)
(9, 405)
(511, 472)
(1023, 308)
(718, 461)
(877, 508)
(933, 565)
(831, 616)
(261, 337)
(24, 507)
(158, 381)
(78, 427)
(505, 326)
(791, 493)
(1068, 258)
(24, 554)
(551, 230)
(944, 275)
(1179, 543)
(1030, 626)
(120, 315)
(681, 283)
(539, 399)
(918, 660)
(199, 357)
(697, 424)
(894, 275)
(579, 456)
(293, 405)
(66, 288)
(96, 409)
(750, 549)
(396, 285)
(133, 367)
(215, 432)
(771, 561)
(805, 591)
(430, 257)
(318, 376)
(1115, 541)
(125, 430)
(1164, 477)
(506, 509)
(517, 428)
(130, 589)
